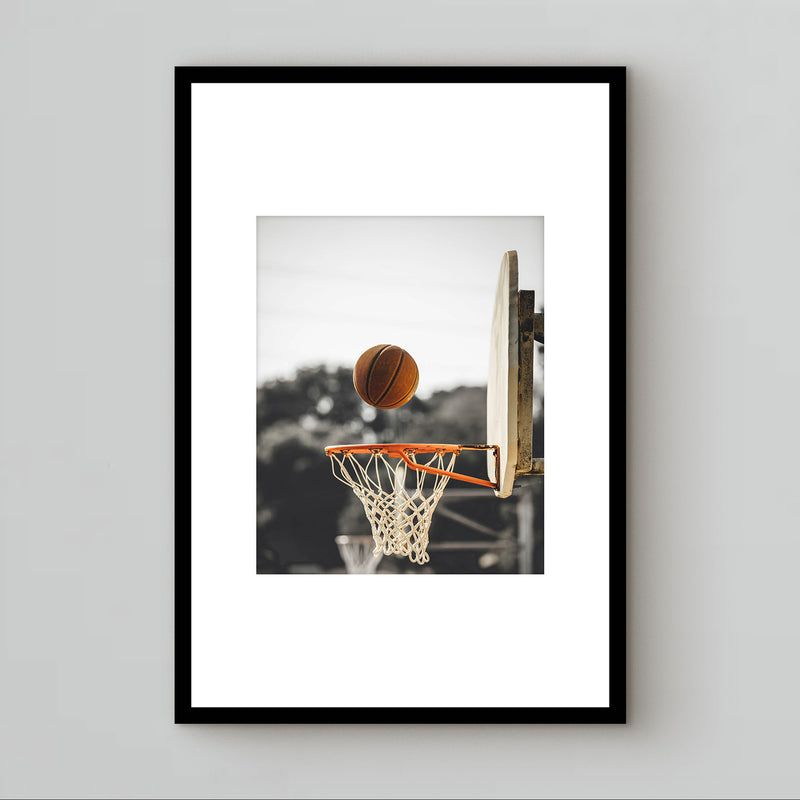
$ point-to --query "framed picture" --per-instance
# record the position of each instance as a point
(368, 526)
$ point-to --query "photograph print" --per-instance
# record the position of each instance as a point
(377, 332)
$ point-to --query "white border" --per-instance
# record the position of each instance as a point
(399, 149)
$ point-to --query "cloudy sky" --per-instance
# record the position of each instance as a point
(330, 287)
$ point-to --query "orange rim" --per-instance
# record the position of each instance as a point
(403, 450)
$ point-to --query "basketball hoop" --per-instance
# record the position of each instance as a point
(359, 554)
(400, 514)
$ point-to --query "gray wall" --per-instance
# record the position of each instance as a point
(86, 414)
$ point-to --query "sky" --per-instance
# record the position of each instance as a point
(331, 287)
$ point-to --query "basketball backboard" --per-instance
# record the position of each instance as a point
(509, 396)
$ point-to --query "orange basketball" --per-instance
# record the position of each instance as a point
(385, 376)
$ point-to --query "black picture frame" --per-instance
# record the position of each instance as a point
(184, 711)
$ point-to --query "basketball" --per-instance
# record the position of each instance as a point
(385, 376)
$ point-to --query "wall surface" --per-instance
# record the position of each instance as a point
(86, 409)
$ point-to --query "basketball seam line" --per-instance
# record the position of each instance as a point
(405, 397)
(369, 372)
(391, 381)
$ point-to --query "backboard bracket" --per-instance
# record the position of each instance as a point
(531, 329)
(526, 303)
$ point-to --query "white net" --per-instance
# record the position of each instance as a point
(398, 505)
(359, 554)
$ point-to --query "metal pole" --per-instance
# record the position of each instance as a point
(525, 530)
